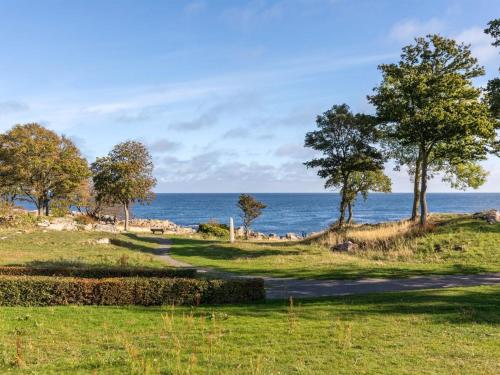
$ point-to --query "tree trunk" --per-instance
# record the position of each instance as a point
(423, 191)
(125, 207)
(349, 218)
(39, 206)
(342, 208)
(46, 206)
(416, 190)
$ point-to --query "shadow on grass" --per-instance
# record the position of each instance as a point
(473, 305)
(214, 251)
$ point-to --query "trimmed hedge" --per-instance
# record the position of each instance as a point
(98, 273)
(50, 291)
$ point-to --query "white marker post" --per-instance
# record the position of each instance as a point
(231, 230)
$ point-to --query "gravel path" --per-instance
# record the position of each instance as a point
(282, 288)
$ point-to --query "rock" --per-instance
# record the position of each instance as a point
(3, 238)
(44, 224)
(491, 216)
(292, 237)
(345, 247)
(240, 232)
(102, 241)
(105, 228)
(459, 247)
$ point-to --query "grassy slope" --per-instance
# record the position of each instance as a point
(430, 332)
(75, 248)
(480, 240)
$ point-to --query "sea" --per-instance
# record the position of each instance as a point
(305, 212)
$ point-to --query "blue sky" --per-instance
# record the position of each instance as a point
(222, 92)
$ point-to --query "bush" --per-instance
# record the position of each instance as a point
(98, 273)
(50, 291)
(84, 219)
(214, 229)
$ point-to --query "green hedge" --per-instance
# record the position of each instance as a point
(98, 273)
(214, 229)
(50, 291)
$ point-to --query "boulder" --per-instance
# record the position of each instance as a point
(105, 228)
(102, 241)
(345, 247)
(491, 216)
(292, 237)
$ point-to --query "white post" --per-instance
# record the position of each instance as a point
(231, 230)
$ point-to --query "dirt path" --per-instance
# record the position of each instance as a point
(281, 288)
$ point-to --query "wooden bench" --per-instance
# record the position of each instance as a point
(157, 230)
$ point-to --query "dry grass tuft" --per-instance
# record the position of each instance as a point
(378, 241)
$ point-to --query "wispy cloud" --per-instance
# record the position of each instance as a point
(408, 29)
(164, 145)
(480, 44)
(13, 106)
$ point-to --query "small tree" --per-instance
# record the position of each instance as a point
(251, 209)
(40, 165)
(346, 141)
(125, 176)
(361, 183)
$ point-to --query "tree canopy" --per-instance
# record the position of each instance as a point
(124, 176)
(346, 141)
(40, 165)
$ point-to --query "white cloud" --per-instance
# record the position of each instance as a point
(409, 29)
(480, 44)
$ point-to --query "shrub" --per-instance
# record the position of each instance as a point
(50, 291)
(84, 219)
(214, 229)
(98, 273)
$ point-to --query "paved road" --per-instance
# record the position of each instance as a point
(281, 288)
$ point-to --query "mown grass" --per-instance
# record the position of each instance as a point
(39, 248)
(461, 245)
(454, 331)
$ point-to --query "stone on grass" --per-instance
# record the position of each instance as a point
(345, 246)
(102, 241)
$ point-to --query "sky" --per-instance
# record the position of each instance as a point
(222, 92)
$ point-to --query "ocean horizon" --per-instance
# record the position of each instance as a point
(304, 212)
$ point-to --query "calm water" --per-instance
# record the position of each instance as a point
(305, 212)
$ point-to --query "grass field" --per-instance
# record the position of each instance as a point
(76, 248)
(451, 331)
(463, 245)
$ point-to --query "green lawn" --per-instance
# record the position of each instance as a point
(480, 243)
(453, 331)
(76, 248)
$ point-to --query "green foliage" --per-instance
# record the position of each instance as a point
(50, 291)
(493, 29)
(350, 162)
(125, 176)
(427, 102)
(98, 272)
(251, 209)
(40, 163)
(493, 96)
(214, 229)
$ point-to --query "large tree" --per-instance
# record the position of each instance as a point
(493, 87)
(427, 104)
(40, 164)
(346, 141)
(125, 176)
